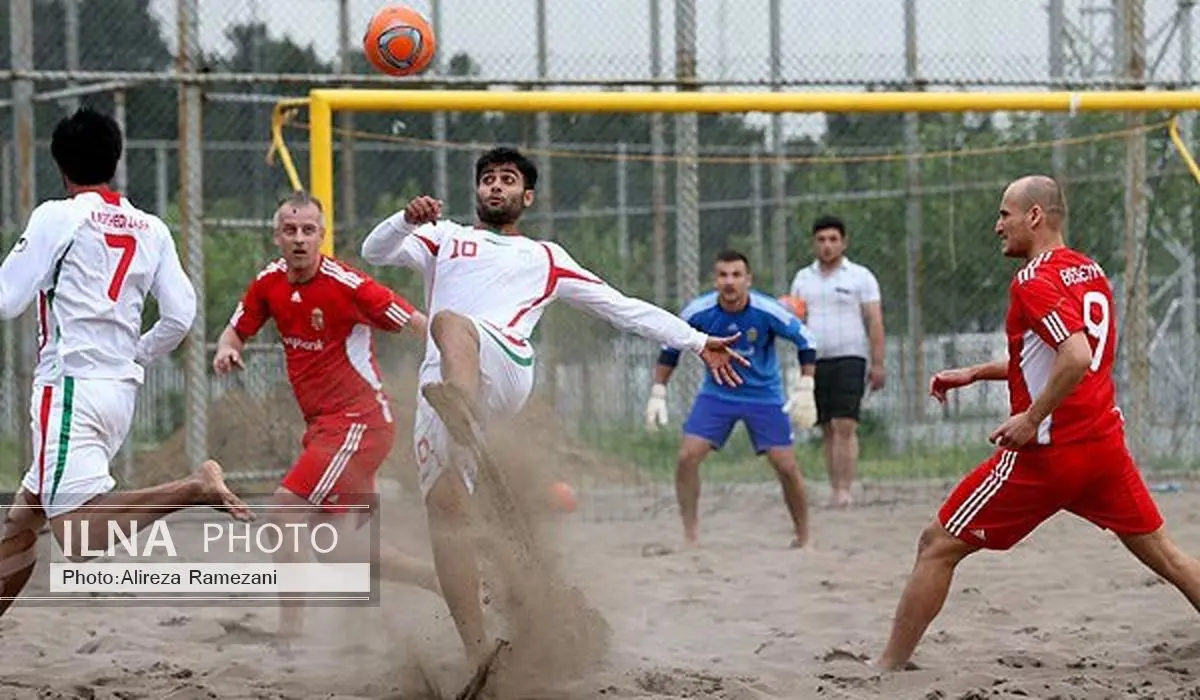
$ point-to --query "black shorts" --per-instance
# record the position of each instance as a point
(838, 387)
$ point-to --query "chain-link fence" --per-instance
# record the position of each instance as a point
(918, 194)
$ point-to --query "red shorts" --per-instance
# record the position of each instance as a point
(338, 465)
(1007, 496)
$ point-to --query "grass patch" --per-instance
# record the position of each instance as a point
(655, 453)
(11, 467)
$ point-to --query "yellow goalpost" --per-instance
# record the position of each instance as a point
(322, 103)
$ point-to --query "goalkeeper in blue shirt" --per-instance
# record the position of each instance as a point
(758, 402)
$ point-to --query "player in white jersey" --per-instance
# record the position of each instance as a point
(486, 287)
(90, 260)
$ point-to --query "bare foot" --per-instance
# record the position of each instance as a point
(218, 495)
(691, 537)
(800, 543)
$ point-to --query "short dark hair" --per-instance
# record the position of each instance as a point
(829, 221)
(503, 155)
(731, 255)
(87, 146)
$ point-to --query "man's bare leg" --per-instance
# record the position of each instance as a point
(843, 455)
(205, 487)
(692, 451)
(455, 561)
(18, 546)
(457, 341)
(938, 553)
(783, 460)
(1162, 556)
(291, 612)
(835, 484)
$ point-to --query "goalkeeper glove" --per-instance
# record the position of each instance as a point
(656, 408)
(802, 404)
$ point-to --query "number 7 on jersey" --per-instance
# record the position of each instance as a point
(128, 246)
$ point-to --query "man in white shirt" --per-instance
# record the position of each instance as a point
(843, 309)
(487, 287)
(90, 260)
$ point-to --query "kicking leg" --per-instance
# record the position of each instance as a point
(205, 487)
(458, 344)
(18, 546)
(783, 460)
(692, 451)
(938, 553)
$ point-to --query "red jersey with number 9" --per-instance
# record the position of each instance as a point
(1057, 294)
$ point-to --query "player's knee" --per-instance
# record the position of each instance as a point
(843, 428)
(447, 325)
(446, 503)
(935, 544)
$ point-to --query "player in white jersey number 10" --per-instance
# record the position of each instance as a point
(486, 287)
(90, 260)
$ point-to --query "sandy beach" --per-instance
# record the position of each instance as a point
(1066, 614)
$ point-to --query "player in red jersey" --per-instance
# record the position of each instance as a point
(325, 311)
(1063, 447)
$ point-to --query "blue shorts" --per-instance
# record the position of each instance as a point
(713, 419)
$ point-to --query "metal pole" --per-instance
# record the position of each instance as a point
(1133, 49)
(687, 196)
(441, 130)
(9, 379)
(20, 14)
(912, 144)
(687, 177)
(658, 174)
(162, 181)
(1058, 122)
(1188, 287)
(756, 208)
(623, 206)
(545, 177)
(121, 178)
(348, 167)
(71, 45)
(779, 209)
(191, 213)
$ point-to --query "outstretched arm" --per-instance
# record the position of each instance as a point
(403, 240)
(176, 307)
(32, 260)
(584, 290)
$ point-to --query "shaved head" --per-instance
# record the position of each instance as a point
(1033, 213)
(1043, 192)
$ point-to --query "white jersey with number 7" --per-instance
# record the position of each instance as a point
(506, 282)
(90, 261)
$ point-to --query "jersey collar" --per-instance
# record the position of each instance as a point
(110, 196)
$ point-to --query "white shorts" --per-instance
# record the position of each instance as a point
(78, 427)
(506, 379)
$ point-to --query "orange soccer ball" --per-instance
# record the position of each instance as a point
(399, 41)
(794, 304)
(563, 498)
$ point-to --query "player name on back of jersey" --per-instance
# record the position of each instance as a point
(119, 220)
(1081, 274)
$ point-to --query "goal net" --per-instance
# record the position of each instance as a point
(647, 188)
